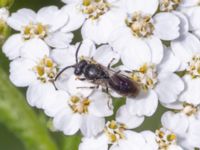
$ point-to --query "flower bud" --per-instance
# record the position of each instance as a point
(4, 29)
(6, 3)
(4, 32)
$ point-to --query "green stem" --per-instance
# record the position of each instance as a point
(18, 117)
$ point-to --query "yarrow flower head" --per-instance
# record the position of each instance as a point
(88, 86)
(146, 76)
(36, 26)
(77, 111)
(95, 17)
(154, 80)
(140, 25)
(114, 136)
(165, 138)
(36, 70)
(194, 66)
(94, 9)
(171, 5)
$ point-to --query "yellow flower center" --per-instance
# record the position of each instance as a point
(114, 131)
(146, 76)
(34, 30)
(79, 104)
(165, 138)
(141, 25)
(46, 70)
(169, 5)
(94, 8)
(189, 109)
(194, 67)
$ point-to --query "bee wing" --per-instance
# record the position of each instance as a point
(123, 85)
(111, 72)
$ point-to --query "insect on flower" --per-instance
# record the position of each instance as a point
(102, 75)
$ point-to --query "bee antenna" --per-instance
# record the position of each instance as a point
(78, 51)
(63, 71)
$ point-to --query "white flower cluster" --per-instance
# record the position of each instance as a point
(147, 51)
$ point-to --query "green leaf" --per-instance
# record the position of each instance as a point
(71, 142)
(18, 117)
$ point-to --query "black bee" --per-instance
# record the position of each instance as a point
(101, 75)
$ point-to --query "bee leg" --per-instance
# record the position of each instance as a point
(88, 87)
(107, 90)
(93, 91)
(127, 71)
(109, 65)
(109, 103)
(117, 72)
(82, 79)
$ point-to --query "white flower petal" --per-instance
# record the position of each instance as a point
(184, 24)
(53, 17)
(100, 30)
(176, 122)
(176, 105)
(131, 121)
(64, 57)
(87, 49)
(76, 86)
(76, 18)
(191, 92)
(37, 92)
(161, 23)
(21, 18)
(62, 80)
(144, 104)
(150, 138)
(133, 140)
(67, 121)
(120, 38)
(169, 63)
(135, 53)
(98, 143)
(91, 125)
(59, 39)
(174, 147)
(156, 47)
(21, 73)
(193, 137)
(197, 33)
(185, 47)
(147, 7)
(193, 15)
(104, 54)
(186, 3)
(100, 104)
(12, 46)
(34, 49)
(55, 102)
(169, 87)
(185, 144)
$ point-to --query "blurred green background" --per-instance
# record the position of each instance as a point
(25, 128)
